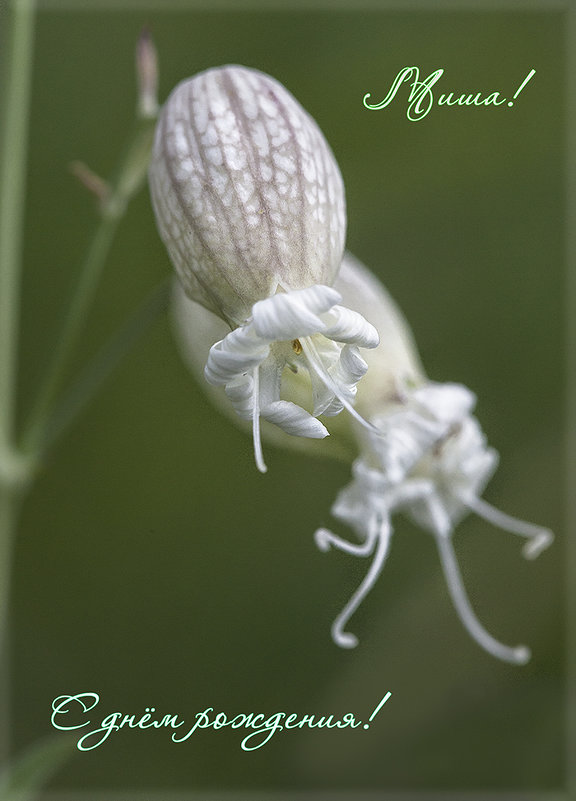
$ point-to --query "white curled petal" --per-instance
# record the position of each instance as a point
(252, 348)
(368, 496)
(471, 464)
(240, 390)
(350, 507)
(241, 394)
(329, 354)
(293, 420)
(352, 365)
(349, 370)
(347, 326)
(289, 315)
(277, 321)
(346, 367)
(237, 353)
(315, 364)
(448, 403)
(406, 438)
(374, 482)
(466, 466)
(270, 380)
(331, 405)
(357, 509)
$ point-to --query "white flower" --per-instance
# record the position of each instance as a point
(307, 329)
(250, 203)
(430, 461)
(196, 329)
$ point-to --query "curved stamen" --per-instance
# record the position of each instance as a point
(324, 538)
(539, 538)
(316, 363)
(519, 655)
(258, 455)
(381, 531)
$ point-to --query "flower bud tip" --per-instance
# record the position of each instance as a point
(522, 655)
(344, 639)
(147, 73)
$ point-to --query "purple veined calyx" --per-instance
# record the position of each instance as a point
(430, 461)
(249, 202)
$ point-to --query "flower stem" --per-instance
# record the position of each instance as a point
(19, 456)
(13, 474)
(10, 499)
(12, 186)
(129, 179)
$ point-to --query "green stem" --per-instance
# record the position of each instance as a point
(9, 502)
(10, 499)
(17, 464)
(12, 187)
(128, 181)
(13, 154)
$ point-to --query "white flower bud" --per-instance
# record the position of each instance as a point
(250, 204)
(247, 194)
(430, 460)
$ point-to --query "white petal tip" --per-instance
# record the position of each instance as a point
(322, 539)
(521, 655)
(537, 544)
(258, 455)
(294, 420)
(372, 338)
(344, 640)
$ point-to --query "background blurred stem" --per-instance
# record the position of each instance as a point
(128, 181)
(13, 472)
(10, 500)
(12, 188)
(18, 458)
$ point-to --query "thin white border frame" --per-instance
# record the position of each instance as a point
(568, 9)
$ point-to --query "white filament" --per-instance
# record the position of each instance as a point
(258, 455)
(518, 655)
(539, 538)
(325, 538)
(285, 317)
(379, 534)
(316, 364)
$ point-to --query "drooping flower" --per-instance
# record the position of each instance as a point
(196, 329)
(430, 461)
(250, 203)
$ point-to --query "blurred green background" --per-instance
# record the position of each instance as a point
(156, 567)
